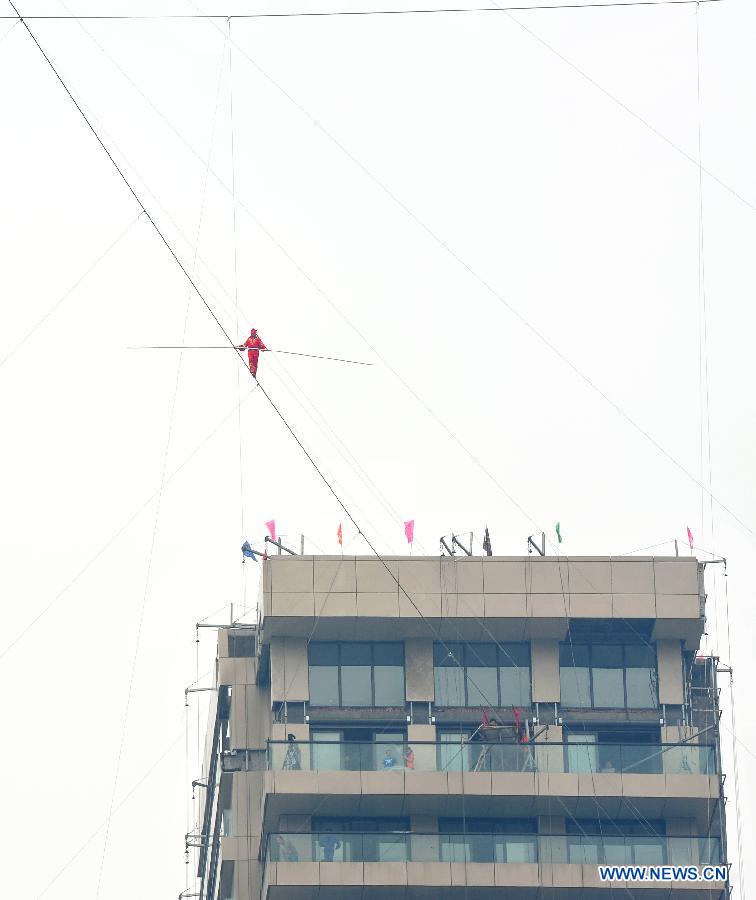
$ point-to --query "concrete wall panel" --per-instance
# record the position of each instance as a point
(547, 576)
(289, 673)
(376, 577)
(544, 661)
(418, 669)
(676, 576)
(669, 662)
(632, 576)
(589, 576)
(335, 574)
(504, 576)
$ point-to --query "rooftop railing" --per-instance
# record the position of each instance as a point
(484, 756)
(348, 846)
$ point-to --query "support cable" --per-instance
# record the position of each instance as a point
(125, 180)
(735, 758)
(231, 342)
(236, 301)
(325, 296)
(483, 281)
(92, 266)
(122, 801)
(326, 14)
(225, 333)
(440, 241)
(158, 509)
(265, 393)
(114, 537)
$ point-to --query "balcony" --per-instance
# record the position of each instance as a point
(484, 756)
(416, 865)
(451, 779)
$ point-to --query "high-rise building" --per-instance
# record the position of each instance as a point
(464, 727)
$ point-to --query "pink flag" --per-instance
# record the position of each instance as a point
(340, 535)
(690, 538)
(271, 526)
(409, 530)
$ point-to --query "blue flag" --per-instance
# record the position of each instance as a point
(247, 551)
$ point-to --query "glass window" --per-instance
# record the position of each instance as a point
(514, 674)
(640, 677)
(328, 755)
(323, 654)
(389, 685)
(608, 688)
(226, 891)
(582, 849)
(449, 654)
(647, 851)
(606, 656)
(477, 674)
(608, 676)
(519, 850)
(356, 686)
(453, 753)
(241, 645)
(482, 686)
(324, 685)
(581, 753)
(575, 683)
(356, 674)
(481, 676)
(388, 654)
(480, 656)
(617, 851)
(449, 686)
(515, 687)
(384, 823)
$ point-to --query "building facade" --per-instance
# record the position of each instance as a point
(454, 727)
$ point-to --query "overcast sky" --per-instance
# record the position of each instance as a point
(444, 196)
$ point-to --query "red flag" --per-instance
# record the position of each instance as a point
(519, 730)
(690, 539)
(271, 526)
(409, 530)
(340, 536)
(485, 720)
(265, 553)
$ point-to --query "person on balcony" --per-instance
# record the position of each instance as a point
(293, 758)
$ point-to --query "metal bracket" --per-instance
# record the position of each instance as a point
(541, 551)
(269, 540)
(458, 543)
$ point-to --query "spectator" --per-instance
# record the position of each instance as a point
(293, 758)
(330, 845)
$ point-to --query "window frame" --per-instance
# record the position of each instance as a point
(370, 647)
(589, 646)
(467, 648)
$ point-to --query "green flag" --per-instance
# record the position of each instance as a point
(558, 530)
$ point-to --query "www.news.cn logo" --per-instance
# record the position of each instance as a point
(662, 873)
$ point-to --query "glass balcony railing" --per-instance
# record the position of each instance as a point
(484, 756)
(492, 848)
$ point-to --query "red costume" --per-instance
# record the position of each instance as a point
(254, 345)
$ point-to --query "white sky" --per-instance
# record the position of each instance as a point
(577, 215)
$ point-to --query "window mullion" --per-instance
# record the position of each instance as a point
(338, 672)
(372, 676)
